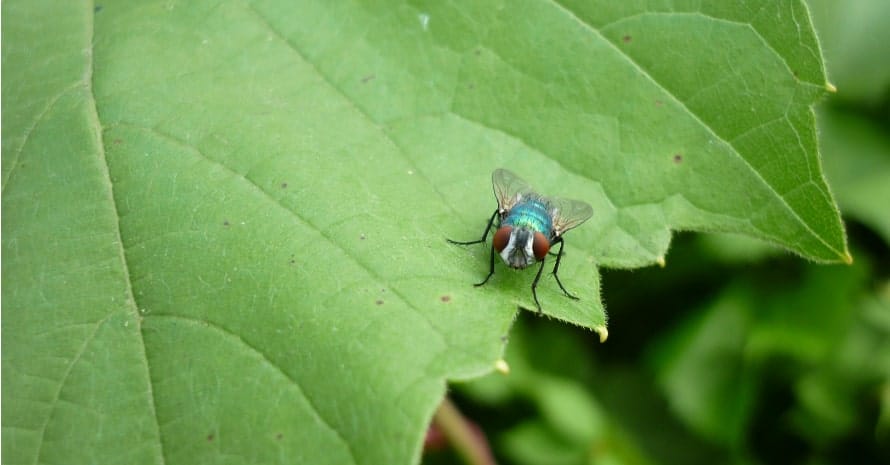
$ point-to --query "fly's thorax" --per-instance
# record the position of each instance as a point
(520, 247)
(533, 214)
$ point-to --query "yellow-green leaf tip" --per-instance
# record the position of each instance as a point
(603, 332)
(830, 87)
(502, 367)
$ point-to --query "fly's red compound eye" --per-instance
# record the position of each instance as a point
(502, 238)
(540, 246)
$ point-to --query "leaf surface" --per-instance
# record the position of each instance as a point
(224, 223)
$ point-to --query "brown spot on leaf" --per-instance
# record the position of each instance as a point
(658, 103)
(368, 78)
(279, 436)
(627, 38)
(226, 223)
(379, 302)
(284, 185)
(445, 298)
(678, 158)
(210, 437)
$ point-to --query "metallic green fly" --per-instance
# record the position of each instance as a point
(529, 225)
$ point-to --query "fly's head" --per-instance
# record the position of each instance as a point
(520, 247)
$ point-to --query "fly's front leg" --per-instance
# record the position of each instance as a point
(490, 268)
(484, 234)
(556, 270)
(480, 241)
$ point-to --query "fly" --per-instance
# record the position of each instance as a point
(528, 226)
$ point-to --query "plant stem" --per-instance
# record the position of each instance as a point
(468, 441)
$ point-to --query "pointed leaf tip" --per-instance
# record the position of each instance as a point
(502, 367)
(603, 332)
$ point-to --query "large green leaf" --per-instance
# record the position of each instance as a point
(224, 223)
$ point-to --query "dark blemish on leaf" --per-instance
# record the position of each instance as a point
(284, 185)
(97, 8)
(445, 298)
(368, 78)
(678, 158)
(210, 437)
(477, 52)
(658, 103)
(379, 302)
(226, 223)
(471, 86)
(117, 142)
(504, 338)
(361, 236)
(279, 436)
(627, 38)
(382, 290)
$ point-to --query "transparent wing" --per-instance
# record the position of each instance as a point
(509, 189)
(568, 213)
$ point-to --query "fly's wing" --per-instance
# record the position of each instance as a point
(509, 189)
(567, 214)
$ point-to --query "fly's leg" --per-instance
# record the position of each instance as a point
(484, 234)
(480, 241)
(490, 269)
(556, 270)
(535, 285)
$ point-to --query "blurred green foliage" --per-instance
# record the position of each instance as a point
(735, 352)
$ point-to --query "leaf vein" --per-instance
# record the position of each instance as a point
(119, 243)
(50, 104)
(203, 324)
(68, 369)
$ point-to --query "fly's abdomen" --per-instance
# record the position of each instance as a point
(531, 215)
